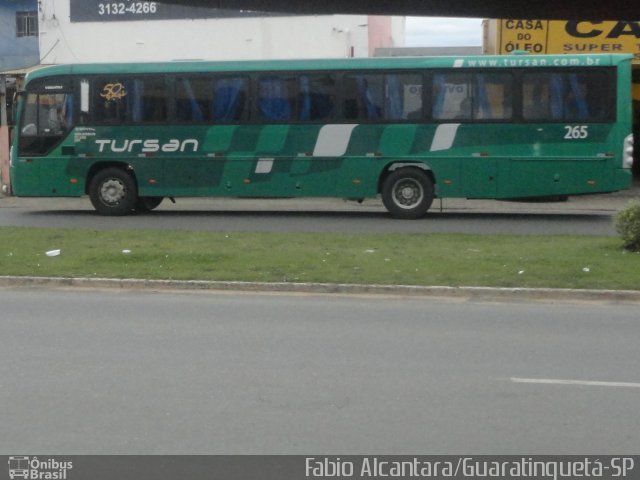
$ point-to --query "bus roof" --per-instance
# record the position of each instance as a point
(484, 61)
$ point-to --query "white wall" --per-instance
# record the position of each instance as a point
(62, 41)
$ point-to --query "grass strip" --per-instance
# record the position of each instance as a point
(414, 259)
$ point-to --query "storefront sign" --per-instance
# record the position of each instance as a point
(575, 36)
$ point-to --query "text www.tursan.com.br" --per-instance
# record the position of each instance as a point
(535, 62)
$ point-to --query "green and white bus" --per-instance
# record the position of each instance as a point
(407, 129)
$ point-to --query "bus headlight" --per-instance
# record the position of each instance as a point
(627, 154)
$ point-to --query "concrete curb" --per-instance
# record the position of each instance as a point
(470, 293)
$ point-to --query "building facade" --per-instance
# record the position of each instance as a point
(18, 34)
(78, 31)
(18, 49)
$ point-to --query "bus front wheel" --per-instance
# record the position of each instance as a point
(113, 191)
(407, 193)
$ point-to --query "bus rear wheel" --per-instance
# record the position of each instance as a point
(113, 191)
(407, 193)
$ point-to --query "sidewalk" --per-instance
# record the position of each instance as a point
(490, 294)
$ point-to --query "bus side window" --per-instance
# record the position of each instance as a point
(363, 97)
(230, 97)
(66, 113)
(452, 96)
(493, 96)
(277, 98)
(112, 100)
(193, 97)
(403, 97)
(139, 100)
(317, 97)
(150, 99)
(575, 101)
(589, 96)
(48, 114)
(47, 117)
(30, 116)
(536, 103)
(567, 97)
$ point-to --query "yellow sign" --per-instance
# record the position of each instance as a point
(574, 36)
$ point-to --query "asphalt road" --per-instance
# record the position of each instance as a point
(590, 215)
(148, 373)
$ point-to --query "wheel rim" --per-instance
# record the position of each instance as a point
(112, 191)
(408, 193)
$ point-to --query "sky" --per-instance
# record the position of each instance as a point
(443, 31)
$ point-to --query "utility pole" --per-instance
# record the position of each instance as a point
(3, 102)
(4, 137)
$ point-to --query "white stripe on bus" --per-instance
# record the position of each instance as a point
(444, 137)
(264, 165)
(333, 140)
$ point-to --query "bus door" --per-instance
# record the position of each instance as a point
(46, 120)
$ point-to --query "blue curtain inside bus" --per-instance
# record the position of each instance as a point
(136, 100)
(567, 101)
(370, 109)
(395, 103)
(194, 110)
(483, 105)
(274, 103)
(229, 99)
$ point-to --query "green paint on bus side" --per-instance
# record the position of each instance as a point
(482, 160)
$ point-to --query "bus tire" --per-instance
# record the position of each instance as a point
(146, 204)
(407, 193)
(113, 191)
